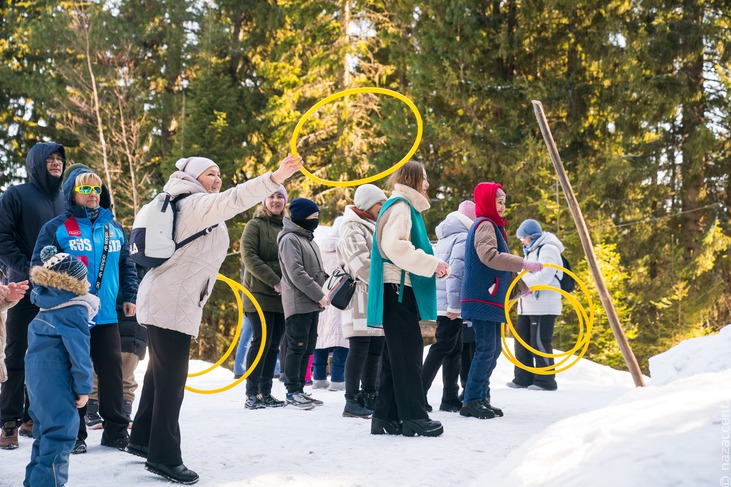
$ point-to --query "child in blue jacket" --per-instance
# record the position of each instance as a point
(57, 363)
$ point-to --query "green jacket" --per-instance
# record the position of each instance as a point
(259, 251)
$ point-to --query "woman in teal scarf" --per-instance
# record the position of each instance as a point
(402, 290)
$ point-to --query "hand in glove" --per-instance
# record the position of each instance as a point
(532, 266)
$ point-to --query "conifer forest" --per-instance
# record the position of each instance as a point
(636, 93)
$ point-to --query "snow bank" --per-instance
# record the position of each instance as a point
(691, 357)
(675, 432)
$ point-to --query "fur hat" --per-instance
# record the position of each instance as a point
(301, 208)
(61, 270)
(194, 166)
(368, 195)
(530, 228)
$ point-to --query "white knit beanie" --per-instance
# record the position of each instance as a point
(368, 195)
(194, 166)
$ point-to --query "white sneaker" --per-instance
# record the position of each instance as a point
(320, 384)
(337, 386)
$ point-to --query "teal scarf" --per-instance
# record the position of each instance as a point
(425, 288)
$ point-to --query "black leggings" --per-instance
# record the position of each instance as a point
(361, 366)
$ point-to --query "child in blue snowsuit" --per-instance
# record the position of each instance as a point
(57, 363)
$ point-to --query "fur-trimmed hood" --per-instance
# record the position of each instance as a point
(48, 278)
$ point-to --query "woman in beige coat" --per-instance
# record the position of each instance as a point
(365, 344)
(171, 297)
(9, 295)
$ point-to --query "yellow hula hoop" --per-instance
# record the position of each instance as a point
(585, 327)
(235, 286)
(354, 91)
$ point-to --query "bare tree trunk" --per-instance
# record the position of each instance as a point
(130, 157)
(86, 25)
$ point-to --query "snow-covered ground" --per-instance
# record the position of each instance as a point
(597, 429)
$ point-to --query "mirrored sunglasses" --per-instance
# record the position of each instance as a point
(87, 189)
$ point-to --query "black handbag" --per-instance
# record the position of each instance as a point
(339, 288)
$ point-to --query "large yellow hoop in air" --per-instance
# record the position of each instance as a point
(235, 286)
(355, 91)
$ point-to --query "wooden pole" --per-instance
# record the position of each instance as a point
(578, 217)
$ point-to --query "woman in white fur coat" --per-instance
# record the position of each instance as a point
(9, 296)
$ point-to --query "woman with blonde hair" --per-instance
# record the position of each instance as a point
(88, 230)
(402, 290)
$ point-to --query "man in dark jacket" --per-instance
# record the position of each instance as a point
(24, 209)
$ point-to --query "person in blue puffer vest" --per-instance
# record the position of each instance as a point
(88, 230)
(57, 364)
(488, 272)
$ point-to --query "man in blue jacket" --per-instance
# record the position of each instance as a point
(24, 209)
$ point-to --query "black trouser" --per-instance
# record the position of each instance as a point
(400, 393)
(106, 355)
(361, 366)
(536, 331)
(301, 335)
(445, 353)
(13, 397)
(156, 423)
(260, 379)
(468, 351)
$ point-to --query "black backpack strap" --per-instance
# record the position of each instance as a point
(203, 232)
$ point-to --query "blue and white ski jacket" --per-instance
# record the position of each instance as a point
(74, 233)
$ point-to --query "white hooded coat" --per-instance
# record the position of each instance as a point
(543, 302)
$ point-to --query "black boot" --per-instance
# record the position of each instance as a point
(422, 427)
(369, 400)
(476, 410)
(355, 410)
(497, 411)
(451, 405)
(174, 473)
(385, 427)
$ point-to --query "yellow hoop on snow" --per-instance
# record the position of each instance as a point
(235, 286)
(355, 91)
(584, 321)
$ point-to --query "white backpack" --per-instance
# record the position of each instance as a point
(151, 241)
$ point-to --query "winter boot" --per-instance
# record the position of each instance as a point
(92, 417)
(118, 443)
(9, 436)
(26, 429)
(421, 427)
(498, 412)
(355, 410)
(369, 400)
(179, 474)
(79, 447)
(451, 405)
(320, 384)
(476, 410)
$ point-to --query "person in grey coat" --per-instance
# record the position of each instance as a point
(447, 351)
(537, 312)
(302, 296)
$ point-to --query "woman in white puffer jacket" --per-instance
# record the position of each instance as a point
(171, 297)
(537, 311)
